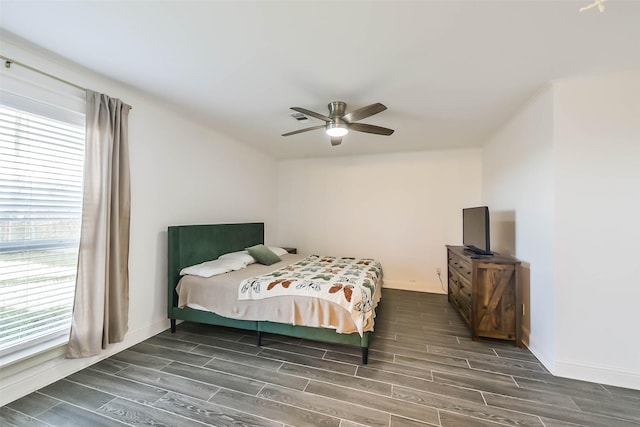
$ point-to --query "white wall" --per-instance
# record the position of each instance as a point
(181, 173)
(597, 156)
(518, 187)
(567, 166)
(398, 208)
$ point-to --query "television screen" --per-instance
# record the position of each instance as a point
(475, 229)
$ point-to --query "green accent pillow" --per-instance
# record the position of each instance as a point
(263, 254)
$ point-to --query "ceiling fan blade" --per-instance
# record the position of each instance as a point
(336, 140)
(364, 112)
(303, 130)
(362, 127)
(311, 113)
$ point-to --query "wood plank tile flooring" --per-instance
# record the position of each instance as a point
(423, 370)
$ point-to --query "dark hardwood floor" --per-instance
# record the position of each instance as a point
(423, 370)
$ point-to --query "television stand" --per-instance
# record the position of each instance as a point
(486, 291)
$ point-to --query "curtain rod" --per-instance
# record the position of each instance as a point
(9, 61)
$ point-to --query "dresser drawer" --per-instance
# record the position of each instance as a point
(460, 264)
(460, 281)
(462, 289)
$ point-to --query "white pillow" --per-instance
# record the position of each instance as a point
(240, 256)
(213, 268)
(276, 250)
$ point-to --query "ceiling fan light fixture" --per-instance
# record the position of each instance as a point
(337, 129)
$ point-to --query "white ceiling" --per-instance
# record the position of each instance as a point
(450, 72)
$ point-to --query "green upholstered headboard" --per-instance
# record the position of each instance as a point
(193, 244)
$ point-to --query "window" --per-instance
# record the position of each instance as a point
(41, 174)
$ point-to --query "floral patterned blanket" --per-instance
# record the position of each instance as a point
(348, 282)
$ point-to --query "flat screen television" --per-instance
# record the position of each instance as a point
(475, 230)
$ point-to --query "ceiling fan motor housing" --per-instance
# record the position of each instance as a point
(337, 127)
(337, 109)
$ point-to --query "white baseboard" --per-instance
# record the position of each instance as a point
(598, 374)
(27, 376)
(414, 286)
(540, 355)
(583, 372)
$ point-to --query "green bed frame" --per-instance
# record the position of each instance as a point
(193, 244)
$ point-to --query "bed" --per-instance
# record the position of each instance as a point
(193, 244)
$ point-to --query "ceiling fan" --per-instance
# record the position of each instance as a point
(339, 123)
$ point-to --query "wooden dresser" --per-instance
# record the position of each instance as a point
(486, 290)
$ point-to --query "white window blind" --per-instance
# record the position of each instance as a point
(41, 172)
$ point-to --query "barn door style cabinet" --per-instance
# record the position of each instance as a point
(486, 290)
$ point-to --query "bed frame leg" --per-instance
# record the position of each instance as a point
(173, 326)
(365, 355)
(258, 338)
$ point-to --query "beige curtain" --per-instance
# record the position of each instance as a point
(101, 306)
